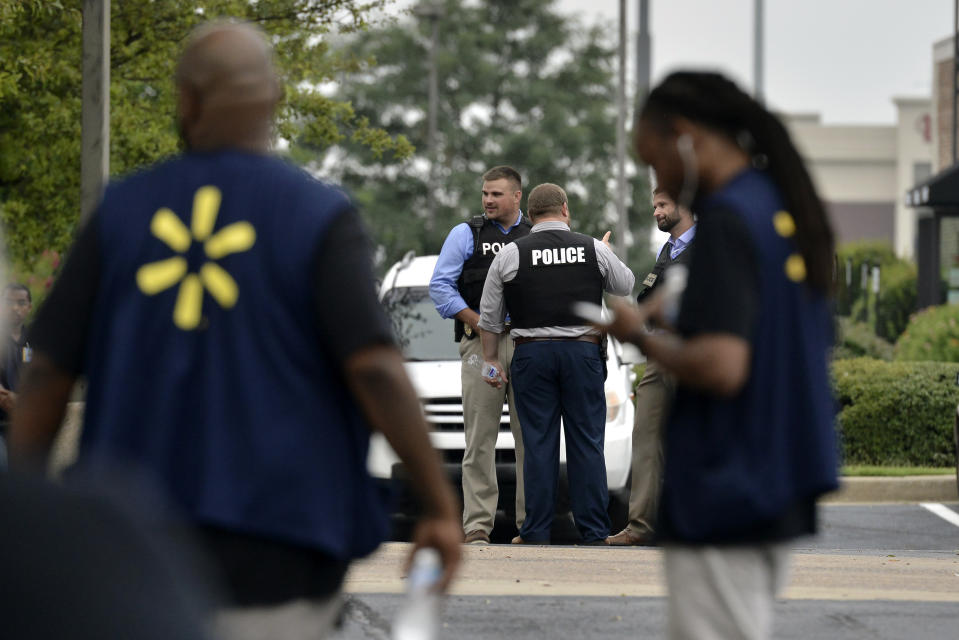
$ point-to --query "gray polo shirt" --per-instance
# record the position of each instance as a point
(617, 280)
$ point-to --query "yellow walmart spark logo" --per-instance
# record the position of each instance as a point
(159, 276)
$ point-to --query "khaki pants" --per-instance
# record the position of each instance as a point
(297, 620)
(654, 395)
(482, 409)
(724, 593)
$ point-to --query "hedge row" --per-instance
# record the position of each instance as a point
(857, 340)
(896, 413)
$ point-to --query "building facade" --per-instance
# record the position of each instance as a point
(861, 171)
(936, 199)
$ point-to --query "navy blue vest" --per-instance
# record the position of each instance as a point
(556, 269)
(488, 239)
(204, 364)
(735, 463)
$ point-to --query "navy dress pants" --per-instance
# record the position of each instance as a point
(562, 379)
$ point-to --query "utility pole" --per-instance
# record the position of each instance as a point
(758, 52)
(95, 115)
(621, 221)
(955, 72)
(643, 55)
(643, 64)
(433, 12)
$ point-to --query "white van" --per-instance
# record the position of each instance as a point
(433, 364)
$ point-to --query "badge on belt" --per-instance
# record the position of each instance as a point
(467, 330)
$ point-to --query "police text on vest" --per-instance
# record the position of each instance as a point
(492, 246)
(566, 255)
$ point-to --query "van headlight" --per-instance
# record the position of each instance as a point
(614, 405)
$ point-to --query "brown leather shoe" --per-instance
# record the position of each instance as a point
(626, 538)
(519, 540)
(476, 537)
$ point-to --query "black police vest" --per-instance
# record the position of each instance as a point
(655, 277)
(556, 269)
(488, 239)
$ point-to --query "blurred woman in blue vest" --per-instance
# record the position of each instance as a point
(750, 441)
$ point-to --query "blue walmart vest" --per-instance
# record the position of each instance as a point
(736, 463)
(204, 364)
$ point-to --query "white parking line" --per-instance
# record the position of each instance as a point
(942, 511)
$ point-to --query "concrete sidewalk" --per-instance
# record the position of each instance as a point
(521, 571)
(891, 489)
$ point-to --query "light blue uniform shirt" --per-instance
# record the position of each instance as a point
(678, 245)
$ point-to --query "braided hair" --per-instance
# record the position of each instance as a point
(715, 102)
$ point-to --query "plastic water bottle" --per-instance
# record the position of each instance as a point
(488, 371)
(419, 619)
(673, 287)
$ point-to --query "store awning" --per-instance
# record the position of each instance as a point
(941, 190)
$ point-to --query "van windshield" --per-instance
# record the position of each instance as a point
(420, 331)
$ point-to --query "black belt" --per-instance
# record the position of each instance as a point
(592, 339)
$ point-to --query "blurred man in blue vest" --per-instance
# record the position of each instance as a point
(221, 307)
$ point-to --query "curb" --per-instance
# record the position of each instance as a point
(902, 489)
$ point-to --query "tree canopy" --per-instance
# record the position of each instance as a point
(40, 94)
(519, 84)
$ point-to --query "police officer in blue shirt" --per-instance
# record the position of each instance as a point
(557, 369)
(197, 303)
(456, 288)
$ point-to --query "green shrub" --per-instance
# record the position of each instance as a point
(896, 413)
(897, 287)
(932, 334)
(897, 298)
(856, 339)
(856, 253)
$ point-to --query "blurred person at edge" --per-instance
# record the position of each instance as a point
(15, 352)
(222, 309)
(750, 441)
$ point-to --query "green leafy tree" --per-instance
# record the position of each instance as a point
(519, 84)
(40, 88)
